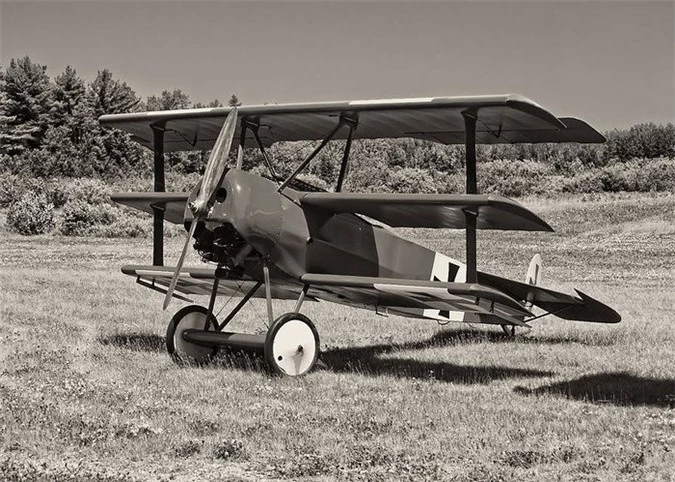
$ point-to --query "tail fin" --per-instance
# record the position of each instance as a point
(533, 276)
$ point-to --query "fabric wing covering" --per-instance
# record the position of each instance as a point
(431, 210)
(199, 281)
(501, 119)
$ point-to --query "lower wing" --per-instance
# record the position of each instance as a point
(199, 281)
(412, 297)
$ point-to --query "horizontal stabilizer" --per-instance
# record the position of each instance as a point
(431, 210)
(568, 307)
(172, 203)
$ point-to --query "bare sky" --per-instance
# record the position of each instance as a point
(610, 63)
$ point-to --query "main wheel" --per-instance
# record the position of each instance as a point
(193, 316)
(292, 345)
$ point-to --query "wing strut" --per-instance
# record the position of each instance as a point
(254, 128)
(242, 142)
(471, 188)
(326, 140)
(345, 156)
(158, 213)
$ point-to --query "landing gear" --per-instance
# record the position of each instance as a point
(514, 330)
(191, 317)
(292, 345)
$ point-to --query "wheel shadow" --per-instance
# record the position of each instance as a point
(147, 342)
(620, 388)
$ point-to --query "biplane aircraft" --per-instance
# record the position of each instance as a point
(276, 237)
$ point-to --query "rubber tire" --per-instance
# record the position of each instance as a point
(174, 325)
(272, 332)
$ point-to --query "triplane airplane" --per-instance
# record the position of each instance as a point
(276, 237)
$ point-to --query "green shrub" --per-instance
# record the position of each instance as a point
(647, 140)
(411, 180)
(10, 189)
(32, 214)
(13, 187)
(513, 178)
(313, 180)
(450, 183)
(176, 182)
(126, 226)
(587, 182)
(90, 191)
(368, 176)
(79, 217)
(654, 175)
(638, 175)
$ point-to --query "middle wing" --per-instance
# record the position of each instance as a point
(431, 210)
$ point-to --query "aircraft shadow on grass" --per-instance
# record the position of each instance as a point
(622, 389)
(366, 360)
(135, 341)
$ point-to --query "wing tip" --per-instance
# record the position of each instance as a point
(604, 313)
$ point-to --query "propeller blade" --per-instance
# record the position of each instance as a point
(215, 168)
(174, 280)
(213, 178)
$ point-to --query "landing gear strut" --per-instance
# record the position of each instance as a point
(290, 347)
(514, 330)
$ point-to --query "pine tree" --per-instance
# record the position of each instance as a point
(4, 118)
(234, 101)
(110, 152)
(213, 104)
(28, 101)
(169, 101)
(69, 92)
(107, 95)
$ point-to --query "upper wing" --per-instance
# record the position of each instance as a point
(433, 295)
(172, 203)
(501, 119)
(431, 210)
(582, 308)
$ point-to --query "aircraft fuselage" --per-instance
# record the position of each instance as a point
(300, 239)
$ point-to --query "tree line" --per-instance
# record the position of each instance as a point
(49, 128)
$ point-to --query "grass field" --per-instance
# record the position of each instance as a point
(88, 392)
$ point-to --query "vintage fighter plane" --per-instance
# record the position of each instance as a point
(275, 237)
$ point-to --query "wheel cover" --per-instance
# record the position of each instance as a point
(294, 347)
(185, 349)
